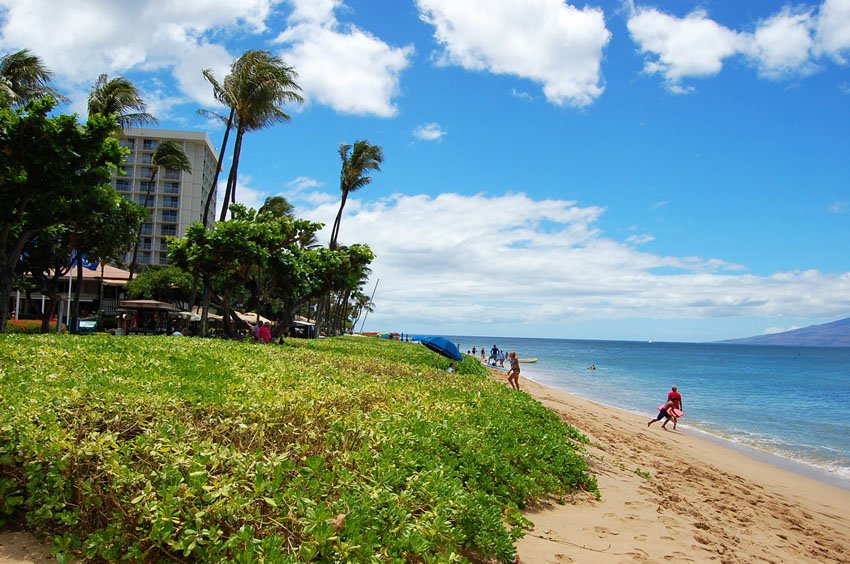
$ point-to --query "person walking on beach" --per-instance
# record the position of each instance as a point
(513, 373)
(670, 410)
(675, 397)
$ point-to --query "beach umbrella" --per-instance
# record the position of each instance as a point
(442, 346)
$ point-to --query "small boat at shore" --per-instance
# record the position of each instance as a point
(527, 360)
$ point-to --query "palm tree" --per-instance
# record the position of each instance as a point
(23, 77)
(278, 206)
(169, 155)
(121, 98)
(258, 85)
(357, 161)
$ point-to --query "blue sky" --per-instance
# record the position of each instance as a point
(613, 170)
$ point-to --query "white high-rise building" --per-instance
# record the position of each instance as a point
(177, 198)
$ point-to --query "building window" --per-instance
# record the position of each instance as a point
(145, 245)
(147, 159)
(172, 174)
(145, 201)
(130, 159)
(171, 188)
(128, 143)
(168, 231)
(169, 215)
(125, 170)
(170, 202)
(122, 185)
(150, 144)
(147, 229)
(144, 257)
(146, 185)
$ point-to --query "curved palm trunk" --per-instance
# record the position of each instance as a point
(218, 167)
(139, 234)
(230, 194)
(337, 221)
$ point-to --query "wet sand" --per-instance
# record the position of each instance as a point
(674, 496)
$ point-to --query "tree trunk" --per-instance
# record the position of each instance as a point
(230, 193)
(205, 309)
(75, 305)
(139, 234)
(218, 168)
(337, 221)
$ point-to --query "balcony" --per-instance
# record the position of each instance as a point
(150, 144)
(170, 202)
(169, 216)
(171, 188)
(172, 175)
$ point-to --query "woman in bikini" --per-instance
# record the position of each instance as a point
(513, 373)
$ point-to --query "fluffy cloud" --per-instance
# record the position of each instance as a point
(80, 40)
(692, 46)
(786, 44)
(429, 132)
(833, 29)
(343, 67)
(782, 45)
(546, 41)
(460, 260)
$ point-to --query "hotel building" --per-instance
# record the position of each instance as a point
(176, 198)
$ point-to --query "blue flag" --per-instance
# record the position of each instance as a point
(90, 264)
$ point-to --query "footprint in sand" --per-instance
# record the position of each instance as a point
(641, 538)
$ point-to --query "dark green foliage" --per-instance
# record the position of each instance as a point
(152, 448)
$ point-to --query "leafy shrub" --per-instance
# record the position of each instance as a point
(27, 326)
(150, 448)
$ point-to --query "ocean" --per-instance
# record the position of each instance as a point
(790, 404)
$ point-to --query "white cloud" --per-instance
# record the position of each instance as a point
(693, 46)
(774, 330)
(833, 29)
(839, 207)
(343, 67)
(546, 41)
(640, 239)
(782, 44)
(456, 260)
(429, 132)
(246, 194)
(787, 44)
(80, 40)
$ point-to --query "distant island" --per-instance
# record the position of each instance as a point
(835, 334)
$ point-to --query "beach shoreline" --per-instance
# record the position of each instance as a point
(681, 496)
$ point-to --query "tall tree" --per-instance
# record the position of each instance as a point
(24, 77)
(258, 85)
(169, 155)
(119, 97)
(278, 206)
(357, 161)
(48, 169)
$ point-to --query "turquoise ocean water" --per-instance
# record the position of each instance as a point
(792, 402)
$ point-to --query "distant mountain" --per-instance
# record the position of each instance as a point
(835, 334)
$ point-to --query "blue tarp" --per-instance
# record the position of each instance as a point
(442, 346)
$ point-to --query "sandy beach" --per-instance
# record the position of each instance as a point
(667, 496)
(674, 496)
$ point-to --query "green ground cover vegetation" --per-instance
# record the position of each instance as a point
(344, 449)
